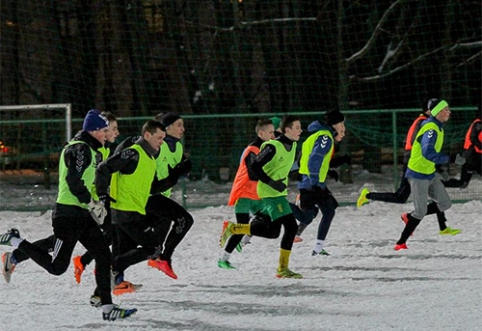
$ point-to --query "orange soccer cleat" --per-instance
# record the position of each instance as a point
(78, 268)
(123, 288)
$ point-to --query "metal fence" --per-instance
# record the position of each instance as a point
(215, 142)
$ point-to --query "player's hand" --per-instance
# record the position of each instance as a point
(97, 211)
(278, 185)
(459, 159)
(333, 174)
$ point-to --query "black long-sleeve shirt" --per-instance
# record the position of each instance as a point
(266, 155)
(248, 160)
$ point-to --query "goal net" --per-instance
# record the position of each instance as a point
(204, 58)
(32, 135)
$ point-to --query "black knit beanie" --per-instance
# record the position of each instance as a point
(334, 117)
(169, 118)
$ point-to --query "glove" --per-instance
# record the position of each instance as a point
(340, 160)
(459, 159)
(278, 185)
(444, 174)
(346, 159)
(333, 174)
(97, 211)
(184, 167)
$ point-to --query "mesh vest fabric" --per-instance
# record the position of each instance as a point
(131, 191)
(277, 168)
(306, 150)
(243, 187)
(168, 159)
(418, 162)
(468, 143)
(65, 196)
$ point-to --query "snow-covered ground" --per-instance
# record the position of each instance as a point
(24, 190)
(363, 285)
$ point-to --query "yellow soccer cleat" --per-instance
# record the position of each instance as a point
(287, 273)
(362, 199)
(449, 231)
(226, 233)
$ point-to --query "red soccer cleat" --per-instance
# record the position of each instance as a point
(165, 267)
(298, 239)
(399, 247)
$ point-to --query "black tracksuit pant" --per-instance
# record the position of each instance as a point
(67, 232)
(110, 237)
(399, 196)
(137, 239)
(171, 221)
(262, 226)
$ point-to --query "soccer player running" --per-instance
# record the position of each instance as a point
(131, 177)
(316, 154)
(403, 192)
(76, 217)
(170, 221)
(244, 196)
(271, 167)
(426, 154)
(173, 221)
(472, 155)
(81, 261)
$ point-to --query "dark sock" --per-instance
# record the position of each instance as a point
(441, 220)
(301, 228)
(409, 228)
(432, 208)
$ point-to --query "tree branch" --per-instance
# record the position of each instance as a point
(467, 45)
(250, 23)
(397, 69)
(280, 20)
(374, 35)
(420, 58)
(392, 53)
(470, 60)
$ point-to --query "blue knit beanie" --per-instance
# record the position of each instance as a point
(94, 121)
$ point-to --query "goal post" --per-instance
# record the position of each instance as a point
(31, 138)
(66, 106)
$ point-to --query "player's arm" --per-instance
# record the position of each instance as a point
(257, 164)
(428, 140)
(78, 158)
(124, 162)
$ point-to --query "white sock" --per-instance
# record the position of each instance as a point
(246, 239)
(107, 308)
(15, 242)
(225, 256)
(319, 246)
